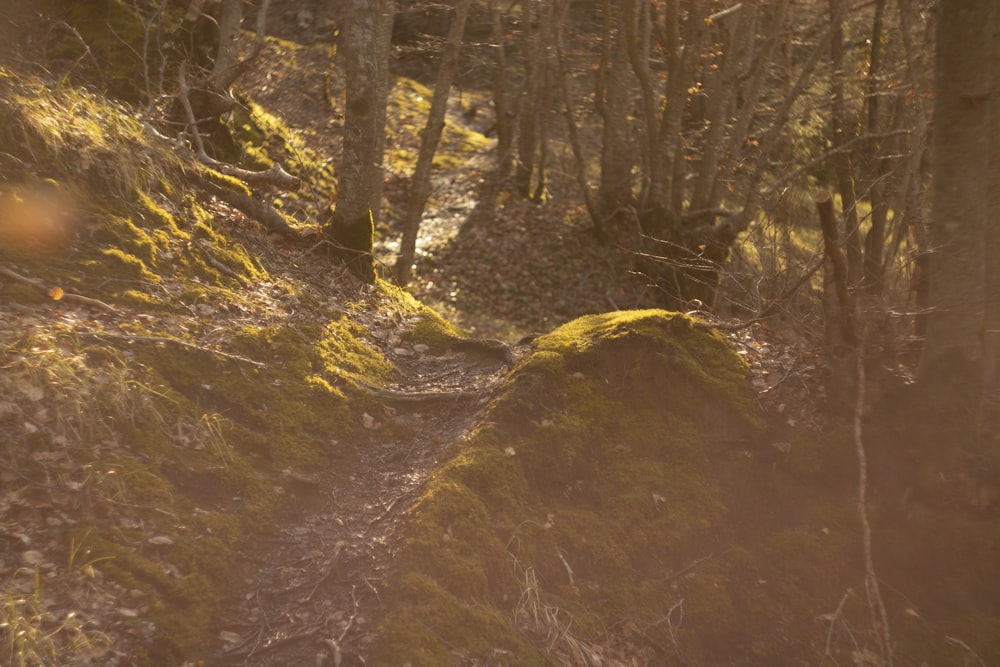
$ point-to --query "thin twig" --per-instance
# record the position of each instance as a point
(130, 338)
(68, 296)
(876, 607)
(958, 642)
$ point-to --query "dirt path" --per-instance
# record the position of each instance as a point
(316, 581)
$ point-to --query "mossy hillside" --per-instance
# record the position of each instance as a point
(266, 139)
(176, 451)
(104, 202)
(409, 103)
(593, 471)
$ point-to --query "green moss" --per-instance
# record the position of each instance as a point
(122, 233)
(436, 628)
(430, 329)
(126, 265)
(223, 180)
(593, 469)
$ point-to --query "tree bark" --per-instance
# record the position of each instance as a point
(991, 324)
(960, 271)
(383, 51)
(501, 101)
(615, 187)
(351, 224)
(843, 135)
(420, 183)
(230, 19)
(579, 163)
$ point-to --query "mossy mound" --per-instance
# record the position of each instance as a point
(589, 486)
(618, 503)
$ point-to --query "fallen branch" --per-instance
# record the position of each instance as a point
(156, 340)
(273, 176)
(277, 176)
(262, 213)
(68, 296)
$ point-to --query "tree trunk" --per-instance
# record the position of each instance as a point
(351, 224)
(615, 188)
(420, 183)
(230, 19)
(842, 134)
(383, 50)
(527, 131)
(991, 327)
(961, 231)
(501, 101)
(579, 163)
(876, 166)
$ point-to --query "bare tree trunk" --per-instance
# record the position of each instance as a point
(543, 97)
(501, 101)
(615, 187)
(383, 47)
(579, 163)
(843, 135)
(420, 183)
(961, 231)
(758, 75)
(230, 20)
(637, 24)
(351, 224)
(527, 132)
(876, 167)
(721, 91)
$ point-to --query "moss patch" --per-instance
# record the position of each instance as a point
(591, 477)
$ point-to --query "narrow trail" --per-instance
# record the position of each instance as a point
(316, 581)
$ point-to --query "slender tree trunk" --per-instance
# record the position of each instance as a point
(876, 167)
(579, 163)
(501, 100)
(420, 183)
(543, 97)
(527, 131)
(351, 224)
(720, 97)
(615, 187)
(842, 134)
(383, 52)
(230, 19)
(636, 23)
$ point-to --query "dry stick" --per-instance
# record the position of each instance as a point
(129, 338)
(880, 621)
(961, 644)
(34, 282)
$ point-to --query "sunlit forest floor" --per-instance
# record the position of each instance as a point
(275, 428)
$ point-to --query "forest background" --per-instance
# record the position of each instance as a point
(818, 180)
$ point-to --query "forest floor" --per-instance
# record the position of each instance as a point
(526, 268)
(522, 268)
